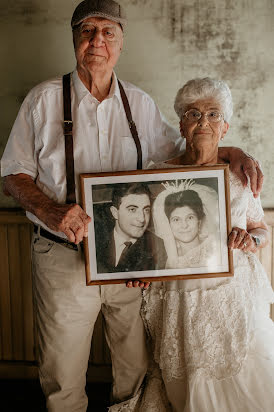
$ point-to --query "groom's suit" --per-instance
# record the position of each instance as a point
(147, 253)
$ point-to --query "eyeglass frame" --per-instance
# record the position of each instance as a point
(89, 36)
(204, 114)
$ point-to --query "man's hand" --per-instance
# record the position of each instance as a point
(72, 220)
(243, 165)
(137, 283)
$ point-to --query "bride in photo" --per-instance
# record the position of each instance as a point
(185, 215)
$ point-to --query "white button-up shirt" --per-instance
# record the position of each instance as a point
(102, 138)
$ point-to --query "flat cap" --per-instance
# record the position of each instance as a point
(108, 9)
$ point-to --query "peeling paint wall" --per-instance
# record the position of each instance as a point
(167, 42)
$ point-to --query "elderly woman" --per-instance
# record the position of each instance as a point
(212, 341)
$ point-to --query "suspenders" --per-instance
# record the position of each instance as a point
(132, 126)
(68, 124)
(71, 197)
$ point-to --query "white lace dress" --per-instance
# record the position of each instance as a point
(211, 340)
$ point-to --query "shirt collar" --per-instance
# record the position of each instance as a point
(120, 239)
(81, 91)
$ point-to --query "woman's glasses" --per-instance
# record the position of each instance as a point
(194, 115)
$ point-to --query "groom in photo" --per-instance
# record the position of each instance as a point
(127, 244)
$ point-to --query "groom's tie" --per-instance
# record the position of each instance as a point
(124, 253)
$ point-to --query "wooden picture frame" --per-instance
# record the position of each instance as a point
(159, 247)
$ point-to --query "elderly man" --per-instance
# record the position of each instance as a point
(42, 169)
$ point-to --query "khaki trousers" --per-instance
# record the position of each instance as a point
(66, 310)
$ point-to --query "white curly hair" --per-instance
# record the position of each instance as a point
(198, 89)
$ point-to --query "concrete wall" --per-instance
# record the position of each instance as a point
(167, 42)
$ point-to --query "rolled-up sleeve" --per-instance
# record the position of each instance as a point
(19, 155)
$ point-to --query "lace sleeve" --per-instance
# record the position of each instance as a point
(255, 211)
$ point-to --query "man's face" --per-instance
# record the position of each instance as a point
(132, 216)
(98, 43)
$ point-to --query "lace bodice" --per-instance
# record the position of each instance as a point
(201, 255)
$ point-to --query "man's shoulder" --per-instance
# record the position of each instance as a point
(132, 90)
(45, 89)
(149, 236)
(152, 247)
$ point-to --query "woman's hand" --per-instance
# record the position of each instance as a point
(137, 283)
(241, 239)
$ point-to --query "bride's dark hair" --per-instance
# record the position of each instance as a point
(188, 198)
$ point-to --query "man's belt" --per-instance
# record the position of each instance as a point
(51, 236)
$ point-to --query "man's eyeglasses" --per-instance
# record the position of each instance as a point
(194, 115)
(88, 31)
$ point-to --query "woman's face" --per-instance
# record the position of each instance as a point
(184, 224)
(203, 133)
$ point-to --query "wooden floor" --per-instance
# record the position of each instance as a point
(26, 395)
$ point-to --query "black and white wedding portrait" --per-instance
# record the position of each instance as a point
(156, 225)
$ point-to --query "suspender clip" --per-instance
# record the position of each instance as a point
(131, 124)
(68, 127)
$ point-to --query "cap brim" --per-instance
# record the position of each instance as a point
(121, 21)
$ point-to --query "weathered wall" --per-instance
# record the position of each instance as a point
(167, 42)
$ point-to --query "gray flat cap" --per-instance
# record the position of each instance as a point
(108, 9)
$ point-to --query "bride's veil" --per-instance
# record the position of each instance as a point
(209, 224)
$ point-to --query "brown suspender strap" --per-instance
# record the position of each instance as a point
(132, 126)
(71, 197)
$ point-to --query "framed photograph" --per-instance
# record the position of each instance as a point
(157, 224)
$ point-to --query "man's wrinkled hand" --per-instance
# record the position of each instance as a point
(72, 220)
(137, 283)
(245, 165)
